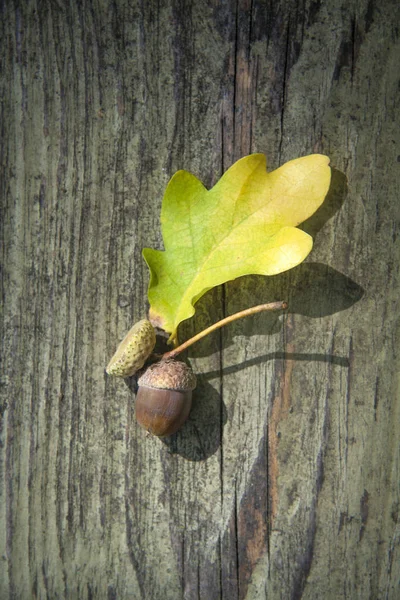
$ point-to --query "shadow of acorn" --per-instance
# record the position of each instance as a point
(200, 436)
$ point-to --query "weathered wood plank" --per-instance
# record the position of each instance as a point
(285, 481)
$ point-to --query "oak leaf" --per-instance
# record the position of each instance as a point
(246, 224)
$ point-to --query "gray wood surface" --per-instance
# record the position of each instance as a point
(284, 483)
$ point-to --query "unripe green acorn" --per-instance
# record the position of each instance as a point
(134, 350)
(164, 398)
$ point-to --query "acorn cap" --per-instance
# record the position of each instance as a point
(168, 374)
(134, 350)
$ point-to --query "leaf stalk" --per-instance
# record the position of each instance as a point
(239, 315)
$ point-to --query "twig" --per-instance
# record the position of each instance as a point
(218, 324)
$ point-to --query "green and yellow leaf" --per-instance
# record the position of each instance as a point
(246, 224)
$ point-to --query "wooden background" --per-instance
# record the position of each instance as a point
(284, 483)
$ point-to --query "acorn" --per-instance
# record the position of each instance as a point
(133, 351)
(164, 397)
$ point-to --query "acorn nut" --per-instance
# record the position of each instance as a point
(164, 397)
(134, 350)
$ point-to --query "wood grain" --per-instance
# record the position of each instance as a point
(285, 481)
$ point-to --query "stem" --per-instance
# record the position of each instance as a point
(218, 324)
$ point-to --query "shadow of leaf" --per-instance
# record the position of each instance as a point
(314, 290)
(318, 290)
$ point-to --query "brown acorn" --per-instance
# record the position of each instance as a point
(164, 397)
